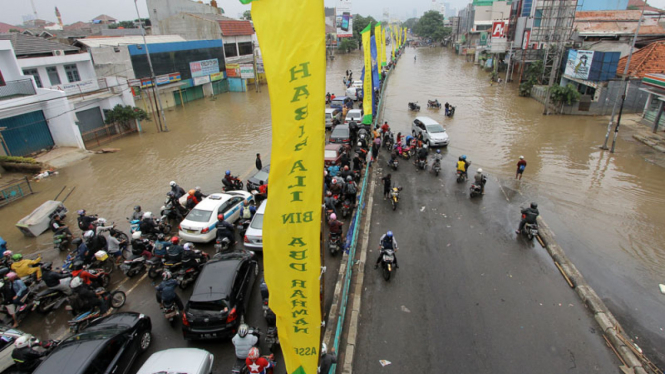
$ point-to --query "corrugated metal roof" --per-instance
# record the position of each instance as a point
(28, 45)
(127, 40)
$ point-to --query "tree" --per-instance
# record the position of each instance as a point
(359, 24)
(410, 23)
(564, 95)
(247, 15)
(532, 74)
(430, 25)
(124, 115)
(347, 44)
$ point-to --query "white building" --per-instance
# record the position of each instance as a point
(61, 102)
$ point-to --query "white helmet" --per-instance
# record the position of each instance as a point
(243, 330)
(147, 215)
(26, 340)
(172, 183)
(188, 246)
(324, 348)
(75, 282)
(101, 221)
(360, 144)
(136, 235)
(521, 157)
(480, 170)
(89, 234)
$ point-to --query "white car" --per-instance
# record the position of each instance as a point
(434, 135)
(352, 92)
(355, 115)
(7, 339)
(253, 239)
(179, 360)
(199, 225)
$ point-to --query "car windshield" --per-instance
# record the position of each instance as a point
(328, 115)
(330, 153)
(434, 129)
(257, 222)
(340, 132)
(261, 175)
(212, 305)
(198, 215)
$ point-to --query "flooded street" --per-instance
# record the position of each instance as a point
(606, 209)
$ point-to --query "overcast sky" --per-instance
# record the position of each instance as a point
(85, 10)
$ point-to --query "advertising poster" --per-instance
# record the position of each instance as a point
(344, 19)
(233, 70)
(205, 67)
(247, 71)
(579, 64)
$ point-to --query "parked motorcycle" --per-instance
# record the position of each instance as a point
(387, 263)
(60, 241)
(394, 196)
(115, 299)
(433, 104)
(414, 107)
(436, 167)
(48, 300)
(476, 190)
(236, 185)
(334, 243)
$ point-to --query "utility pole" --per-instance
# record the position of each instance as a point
(625, 89)
(158, 100)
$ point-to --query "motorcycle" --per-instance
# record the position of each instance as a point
(405, 152)
(171, 312)
(530, 230)
(387, 262)
(103, 278)
(173, 213)
(346, 208)
(48, 300)
(356, 175)
(336, 199)
(461, 177)
(241, 368)
(133, 266)
(115, 299)
(335, 243)
(235, 185)
(476, 190)
(60, 241)
(103, 261)
(414, 106)
(436, 167)
(186, 276)
(451, 111)
(155, 267)
(433, 104)
(421, 164)
(388, 141)
(121, 236)
(19, 312)
(164, 228)
(394, 196)
(242, 225)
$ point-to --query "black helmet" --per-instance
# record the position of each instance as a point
(534, 205)
(77, 265)
(47, 266)
(137, 208)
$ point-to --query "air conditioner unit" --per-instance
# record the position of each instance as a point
(58, 52)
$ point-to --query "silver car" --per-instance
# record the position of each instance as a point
(179, 360)
(254, 235)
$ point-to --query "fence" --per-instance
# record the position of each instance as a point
(105, 134)
(14, 190)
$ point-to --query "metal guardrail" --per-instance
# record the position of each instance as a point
(14, 190)
(21, 87)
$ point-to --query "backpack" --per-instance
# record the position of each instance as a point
(351, 188)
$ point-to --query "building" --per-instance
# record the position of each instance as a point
(160, 10)
(104, 20)
(587, 5)
(60, 70)
(475, 24)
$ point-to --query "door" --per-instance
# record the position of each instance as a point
(26, 133)
(91, 124)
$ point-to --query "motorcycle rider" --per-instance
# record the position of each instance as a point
(387, 183)
(246, 210)
(329, 202)
(480, 180)
(350, 190)
(191, 199)
(85, 222)
(6, 260)
(335, 226)
(25, 358)
(148, 226)
(422, 154)
(177, 190)
(385, 128)
(84, 253)
(166, 291)
(140, 247)
(336, 187)
(229, 180)
(327, 359)
(14, 293)
(189, 257)
(58, 227)
(393, 158)
(83, 275)
(346, 173)
(174, 251)
(530, 215)
(438, 157)
(447, 106)
(137, 214)
(199, 195)
(257, 364)
(344, 160)
(357, 163)
(24, 267)
(463, 165)
(387, 241)
(96, 242)
(160, 246)
(243, 341)
(56, 281)
(83, 298)
(224, 230)
(178, 209)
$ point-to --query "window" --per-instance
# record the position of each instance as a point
(53, 76)
(199, 215)
(72, 73)
(230, 50)
(101, 363)
(35, 74)
(245, 48)
(538, 18)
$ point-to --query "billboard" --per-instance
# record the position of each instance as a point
(246, 71)
(498, 29)
(344, 20)
(205, 67)
(579, 64)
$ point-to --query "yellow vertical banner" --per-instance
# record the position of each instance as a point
(404, 35)
(379, 54)
(292, 38)
(393, 43)
(367, 79)
(384, 59)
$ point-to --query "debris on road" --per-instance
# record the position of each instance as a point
(662, 288)
(385, 362)
(405, 309)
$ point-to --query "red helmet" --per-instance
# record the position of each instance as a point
(220, 217)
(253, 353)
(175, 240)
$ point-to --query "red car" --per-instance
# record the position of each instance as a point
(332, 154)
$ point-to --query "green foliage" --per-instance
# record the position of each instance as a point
(347, 45)
(430, 25)
(532, 75)
(123, 115)
(14, 30)
(247, 15)
(20, 160)
(359, 24)
(410, 23)
(564, 94)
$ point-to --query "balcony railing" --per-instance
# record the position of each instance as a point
(17, 88)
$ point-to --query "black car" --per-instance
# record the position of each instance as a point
(108, 345)
(340, 135)
(262, 175)
(220, 296)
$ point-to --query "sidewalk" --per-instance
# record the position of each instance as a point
(61, 157)
(644, 133)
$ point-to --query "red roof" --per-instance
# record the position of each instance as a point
(77, 26)
(640, 4)
(648, 60)
(236, 28)
(5, 27)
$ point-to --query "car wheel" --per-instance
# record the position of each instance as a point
(145, 339)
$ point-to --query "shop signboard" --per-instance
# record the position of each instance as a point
(579, 64)
(217, 76)
(201, 80)
(233, 70)
(205, 67)
(246, 71)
